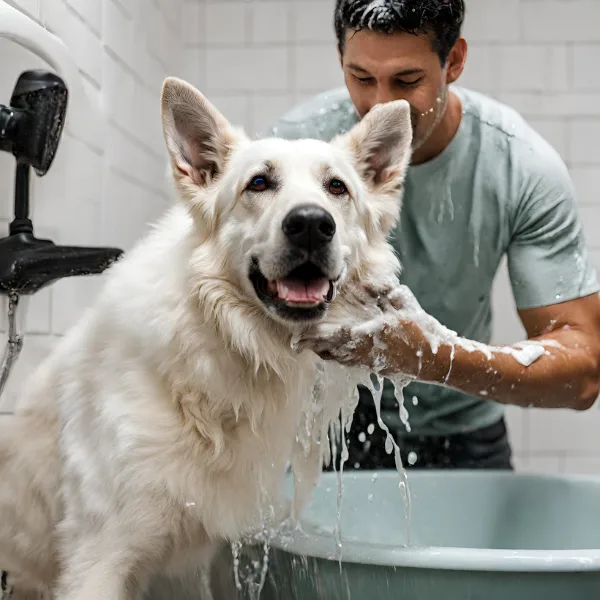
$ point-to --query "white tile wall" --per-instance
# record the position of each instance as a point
(255, 59)
(105, 193)
(541, 56)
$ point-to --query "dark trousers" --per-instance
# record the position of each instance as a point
(486, 448)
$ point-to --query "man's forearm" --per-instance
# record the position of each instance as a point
(563, 377)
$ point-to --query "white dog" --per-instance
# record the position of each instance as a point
(163, 422)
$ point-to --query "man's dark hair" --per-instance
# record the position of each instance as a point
(441, 20)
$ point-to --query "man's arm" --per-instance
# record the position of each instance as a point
(555, 289)
(564, 377)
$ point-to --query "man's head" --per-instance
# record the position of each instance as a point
(401, 49)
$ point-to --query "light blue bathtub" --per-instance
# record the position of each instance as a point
(475, 536)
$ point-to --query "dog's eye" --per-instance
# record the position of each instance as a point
(337, 187)
(258, 184)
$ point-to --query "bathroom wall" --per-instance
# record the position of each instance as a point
(103, 193)
(255, 59)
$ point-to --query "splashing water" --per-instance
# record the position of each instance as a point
(334, 420)
(236, 549)
(329, 413)
(400, 382)
(252, 576)
(14, 342)
(338, 382)
(453, 348)
(363, 377)
(255, 547)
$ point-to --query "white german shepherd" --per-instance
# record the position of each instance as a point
(163, 422)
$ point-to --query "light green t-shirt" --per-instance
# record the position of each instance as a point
(497, 189)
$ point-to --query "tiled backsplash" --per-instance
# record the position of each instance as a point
(107, 195)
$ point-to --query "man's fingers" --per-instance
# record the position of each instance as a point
(396, 301)
(339, 335)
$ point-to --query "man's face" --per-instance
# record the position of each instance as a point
(379, 68)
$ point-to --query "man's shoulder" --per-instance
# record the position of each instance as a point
(510, 141)
(322, 116)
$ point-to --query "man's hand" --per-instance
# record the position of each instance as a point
(403, 339)
(400, 339)
(361, 346)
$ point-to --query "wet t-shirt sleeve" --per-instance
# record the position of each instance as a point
(547, 255)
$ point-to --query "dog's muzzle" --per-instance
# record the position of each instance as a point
(307, 287)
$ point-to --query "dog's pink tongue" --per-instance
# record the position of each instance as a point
(303, 291)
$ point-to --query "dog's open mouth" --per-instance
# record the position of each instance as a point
(304, 291)
(304, 286)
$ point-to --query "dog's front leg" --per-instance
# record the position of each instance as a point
(105, 578)
(94, 571)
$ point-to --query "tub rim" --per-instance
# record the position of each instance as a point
(307, 543)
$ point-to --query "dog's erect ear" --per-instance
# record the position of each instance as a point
(380, 147)
(199, 138)
(381, 143)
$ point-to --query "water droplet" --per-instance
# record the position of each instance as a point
(370, 429)
(362, 437)
(375, 476)
(389, 445)
(412, 458)
(415, 400)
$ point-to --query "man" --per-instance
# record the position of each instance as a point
(481, 184)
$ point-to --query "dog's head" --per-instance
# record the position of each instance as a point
(288, 222)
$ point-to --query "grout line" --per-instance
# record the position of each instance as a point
(82, 20)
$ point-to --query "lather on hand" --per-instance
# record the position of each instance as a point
(401, 339)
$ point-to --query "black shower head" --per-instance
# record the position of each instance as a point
(31, 126)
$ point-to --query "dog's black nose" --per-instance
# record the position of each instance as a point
(309, 227)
